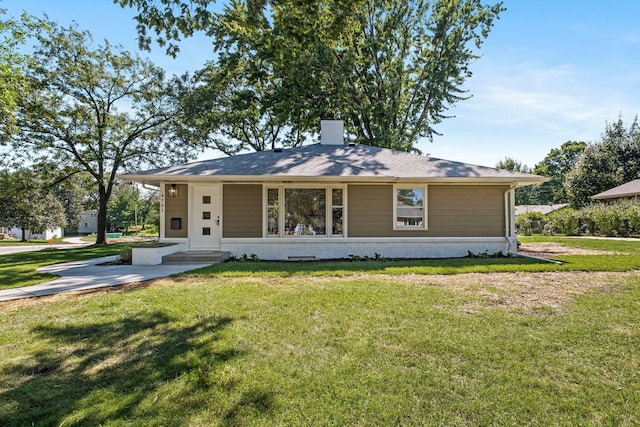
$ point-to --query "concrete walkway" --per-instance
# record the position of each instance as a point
(87, 274)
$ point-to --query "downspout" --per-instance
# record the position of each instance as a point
(509, 222)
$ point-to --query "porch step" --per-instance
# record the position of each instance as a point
(196, 257)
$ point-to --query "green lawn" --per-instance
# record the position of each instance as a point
(19, 269)
(12, 242)
(374, 343)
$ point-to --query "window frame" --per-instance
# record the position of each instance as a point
(425, 198)
(328, 189)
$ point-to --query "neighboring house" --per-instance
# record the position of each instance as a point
(543, 209)
(89, 222)
(53, 233)
(331, 200)
(630, 190)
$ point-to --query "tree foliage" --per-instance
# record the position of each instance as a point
(612, 161)
(123, 207)
(98, 110)
(74, 192)
(27, 202)
(524, 195)
(392, 68)
(556, 165)
(13, 33)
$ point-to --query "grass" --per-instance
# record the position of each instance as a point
(19, 269)
(626, 258)
(12, 242)
(321, 351)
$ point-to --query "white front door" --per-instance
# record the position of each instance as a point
(206, 216)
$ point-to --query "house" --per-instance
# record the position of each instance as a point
(52, 233)
(332, 200)
(630, 190)
(543, 209)
(89, 222)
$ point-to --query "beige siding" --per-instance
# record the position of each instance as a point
(370, 211)
(452, 211)
(466, 210)
(242, 210)
(177, 207)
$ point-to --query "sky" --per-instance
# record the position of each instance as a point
(550, 71)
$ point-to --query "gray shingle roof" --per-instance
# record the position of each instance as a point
(543, 209)
(359, 161)
(630, 189)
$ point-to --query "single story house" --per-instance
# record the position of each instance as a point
(52, 233)
(543, 209)
(332, 200)
(629, 190)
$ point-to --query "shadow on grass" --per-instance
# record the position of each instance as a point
(105, 371)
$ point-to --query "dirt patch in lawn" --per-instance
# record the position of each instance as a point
(528, 293)
(551, 249)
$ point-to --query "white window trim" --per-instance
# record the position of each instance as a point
(425, 206)
(281, 203)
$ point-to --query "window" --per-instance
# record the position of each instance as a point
(336, 212)
(410, 208)
(273, 209)
(206, 200)
(206, 215)
(206, 231)
(306, 211)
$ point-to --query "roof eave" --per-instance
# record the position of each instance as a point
(156, 179)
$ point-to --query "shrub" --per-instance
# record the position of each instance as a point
(607, 219)
(633, 217)
(530, 222)
(564, 221)
(126, 254)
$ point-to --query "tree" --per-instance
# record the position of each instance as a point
(524, 195)
(556, 165)
(99, 110)
(27, 202)
(612, 161)
(12, 82)
(73, 191)
(392, 68)
(123, 207)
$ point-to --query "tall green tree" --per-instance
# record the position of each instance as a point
(392, 68)
(99, 110)
(74, 190)
(612, 161)
(13, 33)
(28, 202)
(556, 165)
(524, 195)
(123, 207)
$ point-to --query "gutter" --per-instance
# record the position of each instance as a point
(508, 212)
(148, 187)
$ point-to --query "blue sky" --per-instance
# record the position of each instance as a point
(550, 71)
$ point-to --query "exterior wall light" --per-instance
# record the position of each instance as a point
(173, 190)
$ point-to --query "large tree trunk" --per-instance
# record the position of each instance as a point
(101, 238)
